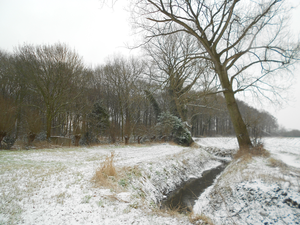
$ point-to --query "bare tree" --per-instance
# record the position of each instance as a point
(32, 121)
(53, 75)
(175, 68)
(121, 76)
(7, 117)
(9, 95)
(233, 36)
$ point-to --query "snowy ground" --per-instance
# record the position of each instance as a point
(255, 190)
(53, 186)
(285, 149)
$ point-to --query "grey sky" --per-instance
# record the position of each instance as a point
(95, 32)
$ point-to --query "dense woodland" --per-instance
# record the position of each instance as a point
(47, 91)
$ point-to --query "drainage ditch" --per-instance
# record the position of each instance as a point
(183, 198)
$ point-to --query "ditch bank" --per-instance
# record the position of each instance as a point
(252, 190)
(192, 169)
(184, 197)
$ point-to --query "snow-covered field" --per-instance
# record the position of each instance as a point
(255, 190)
(54, 186)
(285, 149)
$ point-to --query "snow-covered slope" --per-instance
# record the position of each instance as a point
(54, 186)
(256, 190)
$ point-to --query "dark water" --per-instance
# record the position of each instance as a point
(183, 199)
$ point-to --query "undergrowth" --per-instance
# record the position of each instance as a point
(248, 153)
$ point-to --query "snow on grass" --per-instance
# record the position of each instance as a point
(54, 186)
(254, 190)
(161, 177)
(285, 149)
(218, 142)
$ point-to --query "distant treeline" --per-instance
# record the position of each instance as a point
(47, 91)
(292, 133)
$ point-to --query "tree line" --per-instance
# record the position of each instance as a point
(46, 90)
(193, 50)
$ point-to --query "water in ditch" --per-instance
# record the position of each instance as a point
(183, 199)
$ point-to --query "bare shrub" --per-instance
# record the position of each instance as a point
(259, 150)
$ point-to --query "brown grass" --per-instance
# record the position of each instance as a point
(247, 154)
(174, 211)
(276, 163)
(106, 174)
(195, 145)
(200, 219)
(167, 211)
(22, 145)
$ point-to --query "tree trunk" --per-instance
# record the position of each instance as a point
(77, 139)
(31, 137)
(2, 135)
(49, 120)
(126, 139)
(139, 138)
(239, 125)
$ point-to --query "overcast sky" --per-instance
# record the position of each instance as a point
(96, 32)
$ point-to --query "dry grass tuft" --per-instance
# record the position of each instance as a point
(106, 174)
(276, 163)
(167, 211)
(174, 211)
(195, 145)
(248, 153)
(200, 219)
(117, 179)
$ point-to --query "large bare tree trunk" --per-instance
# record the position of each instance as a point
(239, 125)
(237, 121)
